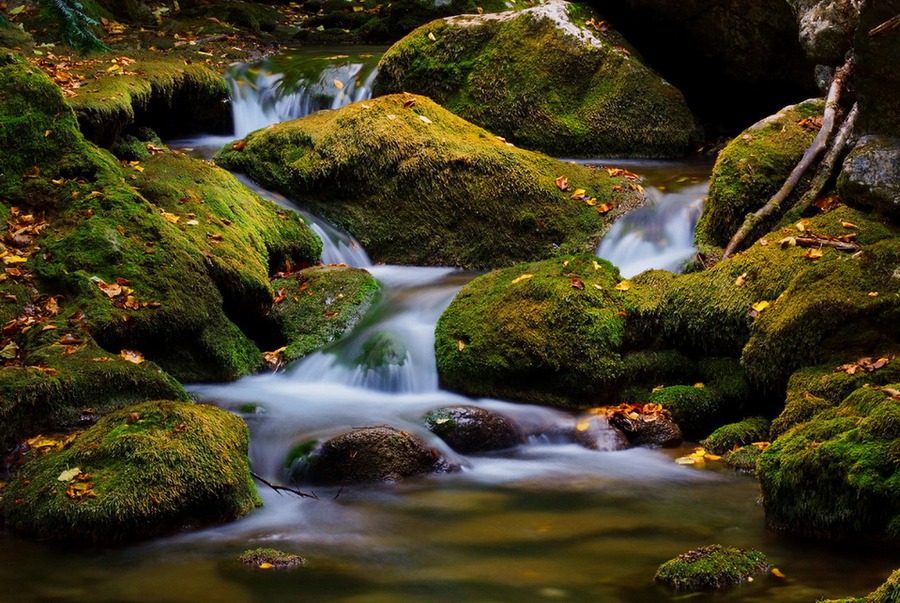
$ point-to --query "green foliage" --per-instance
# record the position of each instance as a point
(723, 439)
(711, 568)
(75, 24)
(141, 471)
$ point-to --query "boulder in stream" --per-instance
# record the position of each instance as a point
(470, 429)
(416, 184)
(711, 567)
(369, 454)
(546, 79)
(141, 471)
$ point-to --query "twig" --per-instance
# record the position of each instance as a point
(811, 154)
(892, 23)
(281, 489)
(815, 241)
(826, 168)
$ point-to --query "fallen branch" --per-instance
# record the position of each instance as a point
(809, 157)
(818, 242)
(199, 41)
(890, 24)
(826, 167)
(281, 489)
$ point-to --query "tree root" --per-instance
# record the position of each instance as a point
(815, 149)
(281, 489)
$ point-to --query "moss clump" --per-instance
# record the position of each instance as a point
(753, 167)
(837, 475)
(711, 568)
(435, 191)
(319, 305)
(744, 458)
(887, 592)
(266, 558)
(140, 471)
(735, 435)
(513, 74)
(547, 332)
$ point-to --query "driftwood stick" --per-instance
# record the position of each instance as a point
(817, 242)
(826, 167)
(281, 489)
(809, 157)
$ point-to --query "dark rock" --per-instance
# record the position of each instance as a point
(877, 78)
(594, 432)
(826, 28)
(370, 454)
(871, 175)
(656, 431)
(468, 429)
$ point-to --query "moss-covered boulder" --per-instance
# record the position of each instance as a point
(369, 454)
(744, 458)
(468, 429)
(753, 167)
(418, 185)
(318, 304)
(143, 470)
(711, 568)
(547, 332)
(736, 435)
(545, 80)
(268, 558)
(838, 475)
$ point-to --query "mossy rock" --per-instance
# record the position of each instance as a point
(736, 435)
(254, 16)
(743, 459)
(369, 454)
(470, 429)
(320, 304)
(545, 81)
(267, 558)
(711, 567)
(141, 471)
(753, 167)
(660, 432)
(838, 475)
(546, 332)
(418, 185)
(887, 592)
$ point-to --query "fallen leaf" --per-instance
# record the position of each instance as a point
(239, 145)
(579, 194)
(266, 566)
(873, 293)
(777, 572)
(460, 345)
(69, 474)
(524, 277)
(801, 225)
(813, 254)
(848, 224)
(699, 385)
(562, 183)
(623, 286)
(431, 36)
(740, 280)
(171, 217)
(788, 242)
(10, 351)
(596, 265)
(424, 119)
(577, 283)
(110, 289)
(132, 356)
(339, 84)
(605, 207)
(758, 307)
(409, 103)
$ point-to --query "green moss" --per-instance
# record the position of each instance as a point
(513, 75)
(727, 437)
(441, 192)
(887, 592)
(271, 558)
(743, 459)
(320, 304)
(753, 167)
(249, 15)
(536, 338)
(711, 567)
(153, 467)
(837, 475)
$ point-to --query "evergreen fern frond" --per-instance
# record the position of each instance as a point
(75, 24)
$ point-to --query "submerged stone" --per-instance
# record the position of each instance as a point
(545, 80)
(141, 471)
(470, 429)
(418, 185)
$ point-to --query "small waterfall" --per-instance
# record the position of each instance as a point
(289, 86)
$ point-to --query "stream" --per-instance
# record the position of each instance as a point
(547, 520)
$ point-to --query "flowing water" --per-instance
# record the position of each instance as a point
(547, 520)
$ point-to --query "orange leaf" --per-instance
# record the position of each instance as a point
(132, 356)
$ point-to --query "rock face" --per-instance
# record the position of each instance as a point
(734, 61)
(837, 474)
(140, 471)
(544, 80)
(418, 185)
(369, 454)
(470, 429)
(871, 175)
(826, 28)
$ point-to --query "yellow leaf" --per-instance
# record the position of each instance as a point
(740, 280)
(40, 442)
(424, 119)
(596, 265)
(712, 457)
(873, 293)
(460, 345)
(339, 84)
(13, 259)
(524, 277)
(623, 286)
(431, 36)
(171, 217)
(579, 194)
(657, 388)
(813, 254)
(760, 306)
(17, 10)
(266, 566)
(113, 68)
(192, 222)
(583, 424)
(848, 224)
(69, 474)
(686, 460)
(132, 356)
(777, 572)
(801, 225)
(699, 385)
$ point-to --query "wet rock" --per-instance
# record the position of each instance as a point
(711, 568)
(370, 454)
(595, 432)
(267, 558)
(654, 431)
(826, 28)
(470, 429)
(871, 175)
(513, 73)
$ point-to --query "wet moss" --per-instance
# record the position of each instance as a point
(320, 304)
(513, 75)
(711, 568)
(753, 167)
(837, 475)
(736, 435)
(435, 192)
(887, 592)
(743, 459)
(147, 469)
(547, 332)
(268, 558)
